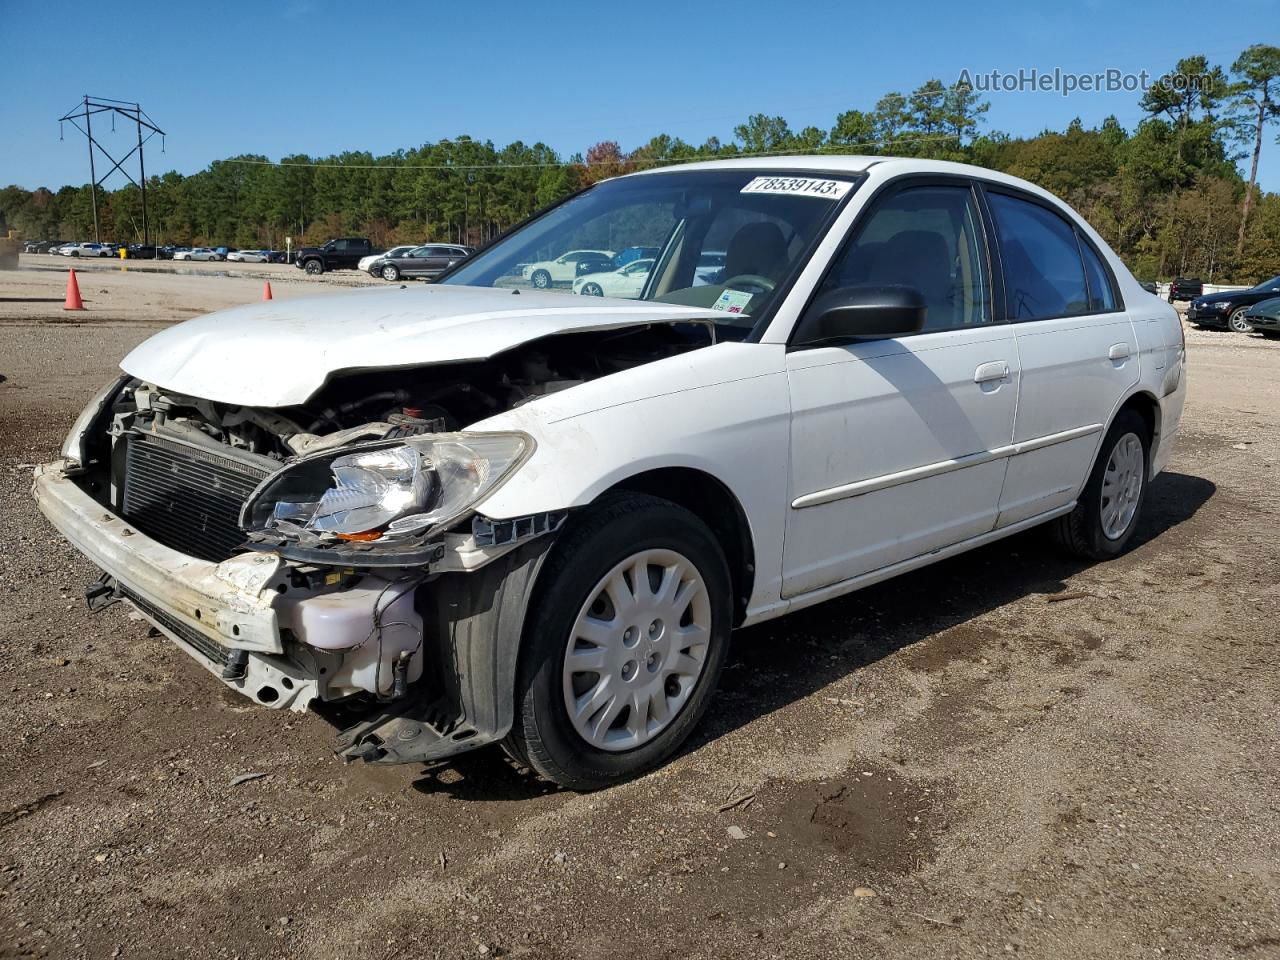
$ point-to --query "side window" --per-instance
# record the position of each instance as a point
(339, 246)
(1043, 272)
(1102, 299)
(929, 238)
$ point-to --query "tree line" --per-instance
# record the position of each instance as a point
(1167, 195)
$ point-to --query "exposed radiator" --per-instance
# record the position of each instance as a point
(186, 498)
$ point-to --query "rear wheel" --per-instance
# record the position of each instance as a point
(1107, 513)
(624, 645)
(1237, 322)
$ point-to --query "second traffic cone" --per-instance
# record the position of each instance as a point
(73, 301)
(266, 291)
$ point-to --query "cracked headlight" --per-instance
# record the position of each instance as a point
(385, 491)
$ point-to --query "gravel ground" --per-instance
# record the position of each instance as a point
(1007, 753)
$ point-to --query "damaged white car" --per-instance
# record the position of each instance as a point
(476, 512)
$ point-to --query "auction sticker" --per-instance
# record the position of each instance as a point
(799, 186)
(733, 301)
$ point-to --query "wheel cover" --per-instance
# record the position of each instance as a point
(637, 649)
(1122, 486)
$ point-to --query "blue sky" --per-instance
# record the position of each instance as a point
(312, 76)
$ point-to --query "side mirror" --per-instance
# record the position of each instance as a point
(871, 312)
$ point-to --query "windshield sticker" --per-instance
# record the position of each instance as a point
(733, 301)
(799, 186)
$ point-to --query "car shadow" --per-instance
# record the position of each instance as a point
(784, 660)
(779, 662)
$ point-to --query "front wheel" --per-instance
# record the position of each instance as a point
(541, 279)
(1107, 513)
(313, 267)
(592, 290)
(390, 272)
(1237, 323)
(623, 646)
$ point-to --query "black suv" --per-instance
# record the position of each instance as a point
(1228, 309)
(1185, 288)
(344, 253)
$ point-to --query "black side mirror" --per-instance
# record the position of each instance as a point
(871, 312)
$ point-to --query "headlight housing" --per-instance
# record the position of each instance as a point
(384, 493)
(1221, 305)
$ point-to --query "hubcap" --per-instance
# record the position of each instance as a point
(637, 649)
(1121, 486)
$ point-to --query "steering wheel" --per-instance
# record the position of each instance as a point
(762, 284)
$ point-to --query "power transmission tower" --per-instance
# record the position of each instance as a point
(88, 108)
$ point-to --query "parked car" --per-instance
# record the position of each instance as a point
(1229, 309)
(366, 263)
(247, 256)
(142, 251)
(1264, 317)
(57, 248)
(197, 253)
(277, 256)
(1185, 288)
(544, 274)
(344, 253)
(465, 513)
(85, 250)
(426, 262)
(626, 282)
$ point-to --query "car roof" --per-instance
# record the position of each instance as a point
(843, 163)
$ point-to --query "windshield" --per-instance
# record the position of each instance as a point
(727, 240)
(1272, 284)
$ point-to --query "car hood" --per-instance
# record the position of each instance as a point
(279, 352)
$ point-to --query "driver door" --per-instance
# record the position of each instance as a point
(899, 446)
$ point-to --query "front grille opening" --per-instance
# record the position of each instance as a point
(186, 498)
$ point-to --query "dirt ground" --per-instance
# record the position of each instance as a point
(1004, 754)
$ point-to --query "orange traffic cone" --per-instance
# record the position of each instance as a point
(266, 291)
(73, 301)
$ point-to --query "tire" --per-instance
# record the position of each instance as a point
(571, 594)
(1236, 323)
(1087, 531)
(1270, 334)
(541, 279)
(390, 272)
(313, 267)
(592, 290)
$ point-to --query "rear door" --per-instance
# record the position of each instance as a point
(1077, 348)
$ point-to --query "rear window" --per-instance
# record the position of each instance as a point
(1043, 272)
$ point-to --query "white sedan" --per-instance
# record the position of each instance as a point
(627, 282)
(367, 262)
(198, 253)
(470, 513)
(543, 274)
(247, 256)
(86, 250)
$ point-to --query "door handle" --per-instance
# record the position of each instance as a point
(992, 370)
(1118, 351)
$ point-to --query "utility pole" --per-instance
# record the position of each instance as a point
(130, 111)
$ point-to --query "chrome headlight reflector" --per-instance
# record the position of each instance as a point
(385, 491)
